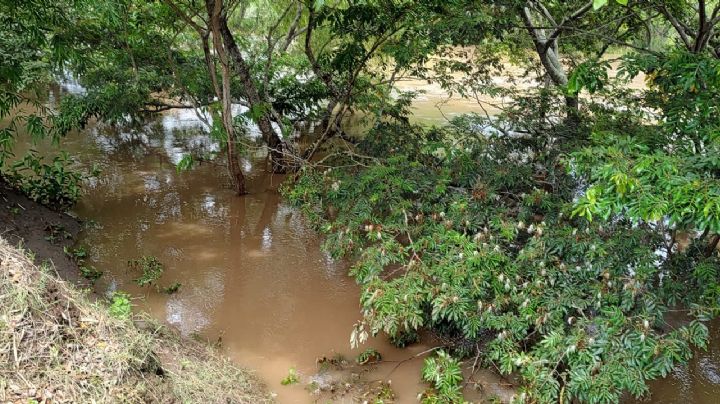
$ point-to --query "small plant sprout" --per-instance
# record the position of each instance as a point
(120, 306)
(90, 272)
(172, 288)
(291, 378)
(370, 355)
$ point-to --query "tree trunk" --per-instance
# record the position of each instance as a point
(233, 162)
(712, 245)
(263, 108)
(572, 117)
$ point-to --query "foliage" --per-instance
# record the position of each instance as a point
(32, 51)
(54, 184)
(120, 306)
(291, 378)
(369, 355)
(150, 267)
(667, 171)
(56, 232)
(402, 340)
(598, 4)
(172, 289)
(185, 163)
(444, 374)
(472, 235)
(543, 240)
(79, 254)
(90, 272)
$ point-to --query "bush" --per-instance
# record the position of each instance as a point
(474, 237)
(120, 306)
(54, 184)
(444, 374)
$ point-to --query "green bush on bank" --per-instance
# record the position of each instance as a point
(486, 239)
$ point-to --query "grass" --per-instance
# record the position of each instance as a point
(58, 346)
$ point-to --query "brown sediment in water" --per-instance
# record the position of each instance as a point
(253, 274)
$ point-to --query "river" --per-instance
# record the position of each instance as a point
(254, 278)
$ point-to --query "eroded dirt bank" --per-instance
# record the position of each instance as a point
(39, 229)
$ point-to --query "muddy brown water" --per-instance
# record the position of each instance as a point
(253, 275)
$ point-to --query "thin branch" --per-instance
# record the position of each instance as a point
(293, 32)
(324, 76)
(679, 28)
(573, 17)
(200, 30)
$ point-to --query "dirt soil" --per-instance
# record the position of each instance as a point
(43, 231)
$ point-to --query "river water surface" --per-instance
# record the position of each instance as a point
(254, 278)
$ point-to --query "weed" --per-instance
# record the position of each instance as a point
(291, 378)
(444, 374)
(49, 183)
(56, 232)
(313, 387)
(151, 269)
(91, 224)
(369, 355)
(78, 254)
(90, 272)
(172, 288)
(120, 306)
(385, 393)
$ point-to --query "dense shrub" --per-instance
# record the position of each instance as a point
(481, 238)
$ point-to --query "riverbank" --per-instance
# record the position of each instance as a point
(45, 232)
(57, 344)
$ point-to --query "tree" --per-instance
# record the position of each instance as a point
(695, 23)
(32, 48)
(303, 61)
(555, 261)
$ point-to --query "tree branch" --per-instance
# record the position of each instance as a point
(573, 17)
(200, 30)
(679, 27)
(326, 78)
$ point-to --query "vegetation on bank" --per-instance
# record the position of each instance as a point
(57, 346)
(547, 248)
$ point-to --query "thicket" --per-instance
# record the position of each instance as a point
(550, 251)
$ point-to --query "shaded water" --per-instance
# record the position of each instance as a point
(697, 382)
(252, 271)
